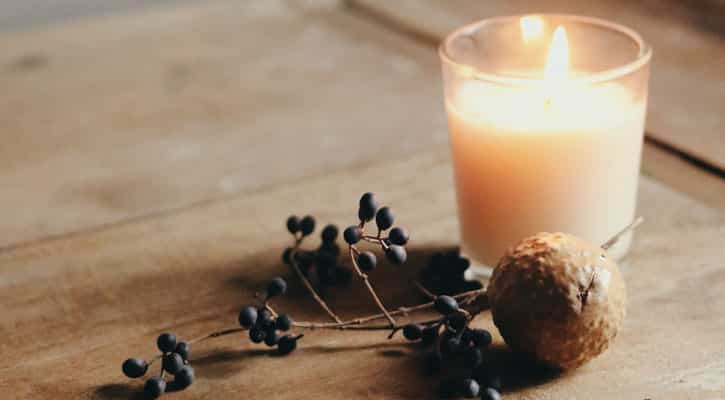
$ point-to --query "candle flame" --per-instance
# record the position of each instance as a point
(531, 28)
(557, 62)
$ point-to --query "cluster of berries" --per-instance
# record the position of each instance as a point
(393, 244)
(445, 274)
(322, 263)
(265, 327)
(453, 341)
(174, 360)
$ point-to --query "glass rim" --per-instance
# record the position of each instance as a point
(643, 56)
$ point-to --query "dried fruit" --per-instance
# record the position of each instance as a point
(557, 298)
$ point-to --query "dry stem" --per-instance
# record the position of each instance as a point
(308, 285)
(353, 251)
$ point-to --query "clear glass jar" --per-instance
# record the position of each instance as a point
(546, 119)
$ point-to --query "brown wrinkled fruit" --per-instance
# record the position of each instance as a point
(557, 298)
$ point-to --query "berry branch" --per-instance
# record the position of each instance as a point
(306, 227)
(449, 334)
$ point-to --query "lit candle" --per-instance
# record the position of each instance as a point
(551, 148)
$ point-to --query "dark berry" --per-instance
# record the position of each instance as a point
(398, 236)
(287, 256)
(287, 344)
(184, 378)
(183, 349)
(368, 207)
(257, 334)
(329, 233)
(283, 322)
(469, 388)
(396, 254)
(248, 316)
(271, 338)
(166, 342)
(457, 321)
(450, 345)
(276, 287)
(307, 225)
(413, 331)
(490, 393)
(293, 224)
(351, 234)
(384, 218)
(154, 387)
(446, 305)
(433, 362)
(472, 358)
(487, 378)
(134, 367)
(264, 318)
(367, 261)
(480, 337)
(429, 335)
(172, 363)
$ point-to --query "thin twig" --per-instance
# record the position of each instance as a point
(371, 290)
(308, 285)
(631, 226)
(376, 240)
(217, 334)
(424, 290)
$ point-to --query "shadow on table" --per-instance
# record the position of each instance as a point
(395, 286)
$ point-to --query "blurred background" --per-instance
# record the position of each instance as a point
(115, 110)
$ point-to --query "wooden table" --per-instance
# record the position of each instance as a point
(150, 158)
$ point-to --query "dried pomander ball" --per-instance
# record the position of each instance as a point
(558, 299)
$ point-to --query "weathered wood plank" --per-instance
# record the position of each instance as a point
(74, 307)
(155, 126)
(135, 114)
(689, 60)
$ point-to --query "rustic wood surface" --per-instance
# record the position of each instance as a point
(688, 67)
(153, 197)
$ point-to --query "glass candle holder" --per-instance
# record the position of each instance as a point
(546, 119)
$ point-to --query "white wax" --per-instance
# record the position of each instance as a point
(543, 158)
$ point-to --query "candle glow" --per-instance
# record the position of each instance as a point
(543, 154)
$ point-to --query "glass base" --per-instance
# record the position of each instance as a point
(482, 272)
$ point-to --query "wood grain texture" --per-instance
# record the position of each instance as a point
(131, 115)
(150, 125)
(74, 308)
(688, 62)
